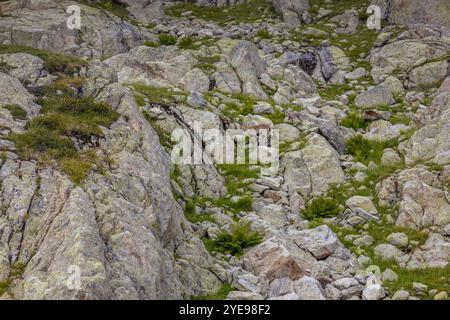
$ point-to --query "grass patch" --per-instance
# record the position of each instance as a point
(53, 62)
(365, 150)
(167, 39)
(220, 294)
(63, 118)
(234, 242)
(4, 286)
(206, 64)
(247, 12)
(16, 111)
(192, 216)
(321, 207)
(156, 95)
(151, 44)
(354, 120)
(332, 92)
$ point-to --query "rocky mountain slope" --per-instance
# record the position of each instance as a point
(92, 207)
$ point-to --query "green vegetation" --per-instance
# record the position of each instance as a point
(220, 294)
(53, 62)
(167, 39)
(365, 150)
(321, 207)
(192, 216)
(16, 111)
(434, 278)
(155, 95)
(331, 92)
(49, 135)
(4, 285)
(354, 120)
(234, 242)
(151, 44)
(187, 43)
(263, 34)
(247, 12)
(206, 64)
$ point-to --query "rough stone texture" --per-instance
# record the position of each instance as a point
(293, 11)
(415, 11)
(313, 169)
(101, 35)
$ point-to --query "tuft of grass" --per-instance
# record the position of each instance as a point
(4, 286)
(365, 150)
(151, 44)
(354, 120)
(53, 62)
(220, 294)
(16, 111)
(155, 95)
(192, 216)
(321, 207)
(167, 39)
(263, 34)
(63, 118)
(187, 43)
(234, 242)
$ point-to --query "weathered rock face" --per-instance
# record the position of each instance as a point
(407, 12)
(144, 10)
(102, 34)
(294, 12)
(402, 56)
(120, 230)
(314, 169)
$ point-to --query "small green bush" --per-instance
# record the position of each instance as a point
(360, 148)
(320, 208)
(16, 111)
(263, 34)
(186, 43)
(167, 39)
(354, 120)
(234, 242)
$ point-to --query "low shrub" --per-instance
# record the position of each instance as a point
(167, 39)
(234, 242)
(354, 120)
(320, 208)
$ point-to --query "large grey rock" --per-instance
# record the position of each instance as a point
(401, 56)
(144, 10)
(321, 241)
(434, 12)
(375, 97)
(249, 67)
(314, 169)
(293, 11)
(101, 35)
(309, 288)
